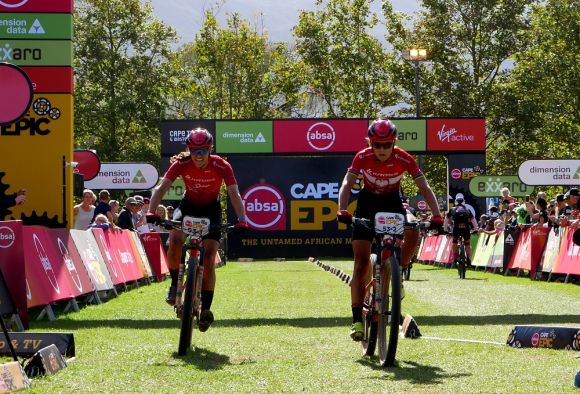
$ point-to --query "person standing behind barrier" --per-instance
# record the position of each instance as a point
(382, 166)
(84, 212)
(203, 175)
(103, 207)
(114, 210)
(125, 219)
(506, 195)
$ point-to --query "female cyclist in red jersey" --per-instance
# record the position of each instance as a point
(203, 175)
(382, 166)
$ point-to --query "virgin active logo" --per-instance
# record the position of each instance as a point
(265, 207)
(13, 4)
(320, 136)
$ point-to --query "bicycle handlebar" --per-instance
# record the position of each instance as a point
(413, 225)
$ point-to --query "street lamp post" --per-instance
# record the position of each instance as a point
(417, 55)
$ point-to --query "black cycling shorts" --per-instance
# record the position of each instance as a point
(367, 206)
(212, 211)
(461, 232)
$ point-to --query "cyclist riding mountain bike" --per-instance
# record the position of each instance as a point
(203, 174)
(461, 220)
(382, 166)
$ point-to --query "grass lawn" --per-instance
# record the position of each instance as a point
(283, 327)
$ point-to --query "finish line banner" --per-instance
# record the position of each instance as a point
(293, 215)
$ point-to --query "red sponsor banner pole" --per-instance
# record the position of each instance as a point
(13, 266)
(155, 253)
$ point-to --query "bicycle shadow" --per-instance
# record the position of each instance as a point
(411, 371)
(203, 359)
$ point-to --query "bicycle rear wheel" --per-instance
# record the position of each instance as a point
(370, 323)
(390, 312)
(187, 314)
(462, 262)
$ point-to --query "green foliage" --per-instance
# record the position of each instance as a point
(121, 75)
(347, 69)
(234, 73)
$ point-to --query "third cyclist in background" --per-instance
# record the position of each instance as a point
(461, 220)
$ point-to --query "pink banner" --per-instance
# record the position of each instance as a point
(80, 283)
(119, 241)
(46, 276)
(568, 260)
(12, 265)
(429, 249)
(522, 254)
(155, 253)
(111, 261)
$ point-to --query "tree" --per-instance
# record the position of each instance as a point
(347, 68)
(233, 73)
(540, 104)
(121, 75)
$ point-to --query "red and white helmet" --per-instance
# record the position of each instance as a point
(199, 138)
(382, 130)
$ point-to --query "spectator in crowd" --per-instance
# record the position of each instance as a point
(523, 215)
(506, 195)
(574, 199)
(103, 207)
(114, 210)
(482, 224)
(84, 212)
(540, 215)
(170, 210)
(142, 225)
(101, 221)
(10, 201)
(131, 209)
(160, 212)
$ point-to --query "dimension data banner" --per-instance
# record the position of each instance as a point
(294, 214)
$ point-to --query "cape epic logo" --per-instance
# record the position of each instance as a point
(320, 136)
(13, 3)
(265, 207)
(7, 237)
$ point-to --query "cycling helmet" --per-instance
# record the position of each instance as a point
(382, 130)
(199, 138)
(459, 199)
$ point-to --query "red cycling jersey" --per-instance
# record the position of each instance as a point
(202, 186)
(384, 177)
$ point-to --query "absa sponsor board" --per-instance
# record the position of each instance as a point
(64, 6)
(45, 134)
(292, 215)
(456, 134)
(320, 135)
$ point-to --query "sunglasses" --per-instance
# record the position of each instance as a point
(385, 145)
(199, 151)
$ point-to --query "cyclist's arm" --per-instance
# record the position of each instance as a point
(344, 192)
(237, 203)
(158, 194)
(427, 192)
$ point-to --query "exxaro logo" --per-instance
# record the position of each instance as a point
(13, 3)
(320, 136)
(265, 207)
(19, 54)
(451, 135)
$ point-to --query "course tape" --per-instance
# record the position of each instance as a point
(333, 270)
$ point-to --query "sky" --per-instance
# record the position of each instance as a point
(279, 16)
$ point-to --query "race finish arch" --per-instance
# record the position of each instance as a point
(289, 172)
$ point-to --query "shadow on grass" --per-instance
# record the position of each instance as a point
(203, 359)
(304, 322)
(412, 372)
(527, 319)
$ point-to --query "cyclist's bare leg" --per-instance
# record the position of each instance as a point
(362, 253)
(409, 247)
(211, 247)
(176, 239)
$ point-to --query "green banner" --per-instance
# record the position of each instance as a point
(244, 136)
(490, 186)
(176, 191)
(411, 134)
(36, 26)
(36, 52)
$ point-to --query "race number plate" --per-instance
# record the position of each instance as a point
(195, 226)
(389, 223)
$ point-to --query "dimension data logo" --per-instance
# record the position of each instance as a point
(20, 26)
(245, 138)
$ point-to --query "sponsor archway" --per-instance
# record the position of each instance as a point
(289, 172)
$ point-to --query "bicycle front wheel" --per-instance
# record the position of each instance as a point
(390, 312)
(187, 314)
(370, 323)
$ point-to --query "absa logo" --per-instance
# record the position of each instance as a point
(320, 136)
(13, 3)
(265, 207)
(7, 237)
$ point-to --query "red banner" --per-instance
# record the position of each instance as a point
(522, 253)
(446, 256)
(568, 260)
(46, 276)
(80, 283)
(155, 253)
(429, 250)
(12, 265)
(456, 135)
(120, 245)
(50, 79)
(56, 6)
(110, 258)
(320, 135)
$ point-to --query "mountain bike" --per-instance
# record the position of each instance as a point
(189, 280)
(461, 260)
(382, 301)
